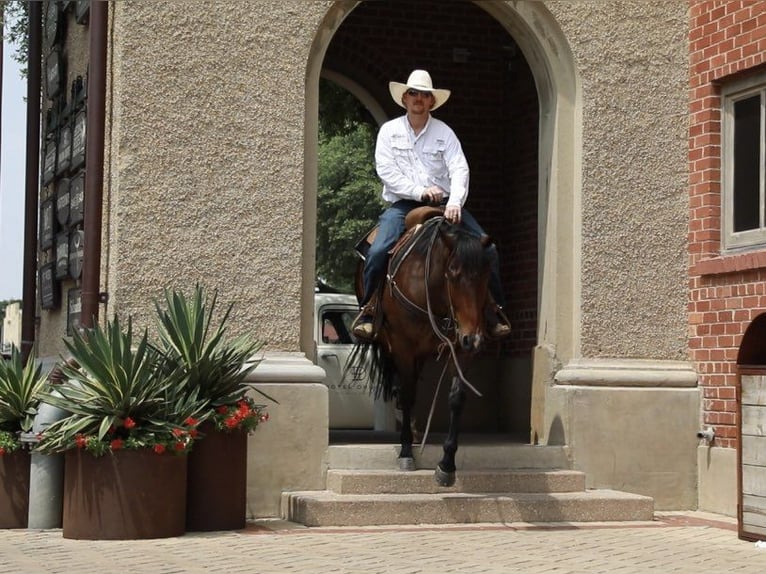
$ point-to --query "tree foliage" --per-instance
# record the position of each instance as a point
(348, 202)
(15, 14)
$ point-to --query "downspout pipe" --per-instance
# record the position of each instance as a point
(32, 180)
(94, 162)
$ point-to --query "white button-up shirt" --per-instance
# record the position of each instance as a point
(409, 163)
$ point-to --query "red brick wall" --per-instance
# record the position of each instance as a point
(726, 40)
(493, 109)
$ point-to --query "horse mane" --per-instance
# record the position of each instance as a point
(467, 249)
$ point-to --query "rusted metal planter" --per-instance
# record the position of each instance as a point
(217, 481)
(126, 495)
(14, 489)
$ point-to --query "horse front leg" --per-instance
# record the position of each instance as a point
(407, 401)
(445, 470)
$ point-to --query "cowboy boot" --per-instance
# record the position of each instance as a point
(498, 325)
(363, 326)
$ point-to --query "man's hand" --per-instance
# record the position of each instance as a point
(452, 213)
(433, 194)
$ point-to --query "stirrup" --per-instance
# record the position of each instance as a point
(364, 329)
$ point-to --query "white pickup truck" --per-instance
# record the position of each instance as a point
(351, 401)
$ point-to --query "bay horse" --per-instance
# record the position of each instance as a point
(433, 300)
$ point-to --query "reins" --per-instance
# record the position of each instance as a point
(444, 339)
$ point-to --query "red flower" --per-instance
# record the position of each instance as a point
(178, 433)
(129, 423)
(223, 409)
(159, 448)
(80, 441)
(116, 444)
(2, 451)
(194, 433)
(231, 422)
(179, 446)
(264, 417)
(191, 422)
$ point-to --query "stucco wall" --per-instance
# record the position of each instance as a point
(205, 179)
(631, 60)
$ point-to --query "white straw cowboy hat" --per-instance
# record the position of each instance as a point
(419, 80)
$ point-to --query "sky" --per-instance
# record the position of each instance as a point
(12, 165)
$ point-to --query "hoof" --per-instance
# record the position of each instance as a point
(443, 478)
(407, 463)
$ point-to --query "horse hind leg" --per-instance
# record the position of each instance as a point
(445, 470)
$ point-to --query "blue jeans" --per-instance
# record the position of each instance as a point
(391, 228)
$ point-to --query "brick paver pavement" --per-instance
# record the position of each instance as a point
(689, 542)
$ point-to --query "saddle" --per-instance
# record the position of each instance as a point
(412, 223)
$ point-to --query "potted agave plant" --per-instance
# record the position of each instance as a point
(20, 387)
(125, 440)
(213, 369)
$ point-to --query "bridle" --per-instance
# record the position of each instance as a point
(435, 225)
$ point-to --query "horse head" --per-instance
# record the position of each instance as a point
(466, 275)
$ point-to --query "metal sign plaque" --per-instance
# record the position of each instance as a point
(78, 140)
(49, 161)
(49, 293)
(62, 255)
(76, 252)
(64, 148)
(47, 223)
(73, 310)
(76, 198)
(62, 201)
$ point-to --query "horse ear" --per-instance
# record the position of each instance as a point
(450, 236)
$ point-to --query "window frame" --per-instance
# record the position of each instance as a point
(751, 239)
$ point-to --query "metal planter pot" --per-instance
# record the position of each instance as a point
(217, 481)
(127, 495)
(14, 489)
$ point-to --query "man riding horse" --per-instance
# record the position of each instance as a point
(421, 162)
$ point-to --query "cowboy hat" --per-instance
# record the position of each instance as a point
(419, 80)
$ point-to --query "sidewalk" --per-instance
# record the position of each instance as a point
(674, 542)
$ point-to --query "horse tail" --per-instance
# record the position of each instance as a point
(379, 366)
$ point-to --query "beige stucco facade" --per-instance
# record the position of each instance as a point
(210, 177)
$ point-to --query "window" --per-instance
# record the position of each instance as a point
(743, 163)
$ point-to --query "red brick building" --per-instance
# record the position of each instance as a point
(727, 245)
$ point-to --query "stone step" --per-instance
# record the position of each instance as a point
(467, 481)
(326, 508)
(476, 456)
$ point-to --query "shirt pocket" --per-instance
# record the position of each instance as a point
(403, 157)
(433, 157)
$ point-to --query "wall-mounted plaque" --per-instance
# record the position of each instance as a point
(62, 201)
(76, 198)
(73, 310)
(78, 140)
(47, 223)
(76, 252)
(53, 23)
(54, 73)
(49, 159)
(49, 292)
(64, 148)
(62, 255)
(82, 11)
(78, 93)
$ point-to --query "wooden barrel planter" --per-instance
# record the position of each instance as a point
(14, 489)
(126, 495)
(217, 481)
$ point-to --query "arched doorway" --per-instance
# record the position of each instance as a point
(507, 110)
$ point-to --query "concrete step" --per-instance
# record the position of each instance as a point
(326, 508)
(472, 456)
(468, 481)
